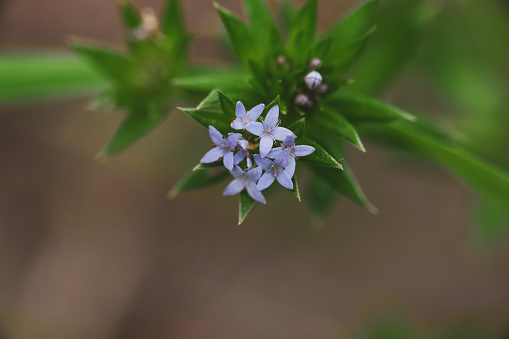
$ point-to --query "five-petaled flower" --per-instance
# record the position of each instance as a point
(245, 180)
(268, 131)
(287, 154)
(273, 170)
(243, 119)
(224, 148)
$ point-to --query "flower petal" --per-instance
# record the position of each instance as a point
(254, 174)
(266, 143)
(228, 161)
(237, 172)
(237, 124)
(303, 150)
(213, 155)
(239, 157)
(265, 181)
(274, 152)
(256, 128)
(272, 117)
(254, 192)
(282, 158)
(264, 163)
(240, 110)
(285, 179)
(255, 112)
(290, 167)
(289, 141)
(235, 187)
(280, 133)
(217, 138)
(233, 139)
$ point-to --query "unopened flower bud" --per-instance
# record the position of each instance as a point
(315, 63)
(302, 100)
(282, 61)
(313, 80)
(322, 89)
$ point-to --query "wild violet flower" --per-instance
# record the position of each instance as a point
(245, 180)
(243, 119)
(273, 170)
(287, 154)
(268, 131)
(224, 148)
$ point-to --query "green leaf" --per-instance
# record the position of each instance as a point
(240, 35)
(302, 34)
(288, 11)
(227, 105)
(112, 64)
(209, 118)
(400, 28)
(487, 179)
(246, 204)
(358, 108)
(295, 189)
(172, 24)
(130, 15)
(333, 121)
(343, 182)
(263, 27)
(320, 157)
(298, 127)
(273, 103)
(38, 76)
(320, 197)
(356, 24)
(210, 100)
(200, 176)
(135, 125)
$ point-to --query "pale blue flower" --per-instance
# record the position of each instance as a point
(273, 170)
(224, 148)
(287, 154)
(268, 131)
(243, 119)
(245, 180)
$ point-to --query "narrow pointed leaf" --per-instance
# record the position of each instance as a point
(111, 63)
(246, 204)
(135, 125)
(320, 157)
(209, 118)
(263, 27)
(358, 108)
(332, 121)
(210, 100)
(172, 24)
(357, 23)
(227, 105)
(298, 127)
(200, 176)
(130, 15)
(302, 34)
(295, 189)
(239, 34)
(344, 183)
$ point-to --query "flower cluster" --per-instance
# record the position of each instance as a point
(272, 163)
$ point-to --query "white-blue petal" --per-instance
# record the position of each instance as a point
(290, 167)
(285, 179)
(280, 133)
(255, 112)
(240, 110)
(265, 181)
(254, 192)
(217, 138)
(235, 187)
(213, 155)
(264, 163)
(274, 152)
(302, 150)
(272, 117)
(228, 161)
(237, 124)
(256, 128)
(266, 143)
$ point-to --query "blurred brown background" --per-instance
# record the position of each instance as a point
(95, 250)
